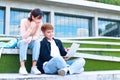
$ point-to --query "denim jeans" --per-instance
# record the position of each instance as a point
(34, 45)
(76, 65)
(56, 63)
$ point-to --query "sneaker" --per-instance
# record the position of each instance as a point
(23, 71)
(63, 71)
(34, 70)
(80, 71)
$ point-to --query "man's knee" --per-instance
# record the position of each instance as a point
(58, 58)
(81, 60)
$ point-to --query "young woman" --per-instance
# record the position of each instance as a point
(51, 59)
(30, 33)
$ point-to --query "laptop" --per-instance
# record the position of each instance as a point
(74, 47)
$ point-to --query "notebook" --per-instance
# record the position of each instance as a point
(74, 47)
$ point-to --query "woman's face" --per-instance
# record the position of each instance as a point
(36, 19)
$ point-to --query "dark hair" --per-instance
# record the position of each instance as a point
(47, 26)
(35, 13)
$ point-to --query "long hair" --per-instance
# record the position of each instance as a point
(35, 13)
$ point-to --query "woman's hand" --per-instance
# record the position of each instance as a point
(28, 40)
(33, 25)
(36, 23)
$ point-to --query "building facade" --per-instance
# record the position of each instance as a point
(70, 18)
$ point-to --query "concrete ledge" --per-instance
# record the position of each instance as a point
(12, 51)
(91, 75)
(84, 55)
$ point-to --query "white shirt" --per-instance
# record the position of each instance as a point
(54, 49)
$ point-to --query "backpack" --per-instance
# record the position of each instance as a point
(12, 43)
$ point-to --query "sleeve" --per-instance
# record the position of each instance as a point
(61, 48)
(44, 52)
(37, 34)
(23, 31)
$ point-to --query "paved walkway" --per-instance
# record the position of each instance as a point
(91, 75)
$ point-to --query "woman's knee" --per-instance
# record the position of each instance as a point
(37, 43)
(21, 42)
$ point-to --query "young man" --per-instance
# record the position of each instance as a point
(51, 59)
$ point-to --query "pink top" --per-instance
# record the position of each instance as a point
(27, 31)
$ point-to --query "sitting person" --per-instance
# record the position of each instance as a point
(30, 33)
(51, 60)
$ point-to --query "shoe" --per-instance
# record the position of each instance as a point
(80, 71)
(23, 71)
(63, 71)
(34, 70)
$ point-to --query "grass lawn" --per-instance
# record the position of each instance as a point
(99, 39)
(106, 53)
(10, 64)
(97, 65)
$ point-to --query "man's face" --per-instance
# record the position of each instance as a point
(48, 34)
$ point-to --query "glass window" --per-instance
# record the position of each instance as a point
(72, 26)
(45, 17)
(2, 20)
(15, 17)
(108, 28)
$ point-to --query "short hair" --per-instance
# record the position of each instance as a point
(47, 26)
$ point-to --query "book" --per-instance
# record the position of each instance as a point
(74, 47)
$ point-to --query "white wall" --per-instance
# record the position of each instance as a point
(72, 9)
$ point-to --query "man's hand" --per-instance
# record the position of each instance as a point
(67, 49)
(66, 58)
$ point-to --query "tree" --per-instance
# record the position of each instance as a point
(114, 2)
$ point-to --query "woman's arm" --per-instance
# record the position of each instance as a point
(37, 33)
(25, 33)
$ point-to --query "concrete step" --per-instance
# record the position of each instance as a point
(91, 75)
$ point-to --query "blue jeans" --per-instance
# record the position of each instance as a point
(56, 63)
(34, 45)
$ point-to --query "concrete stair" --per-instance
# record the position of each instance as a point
(90, 75)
